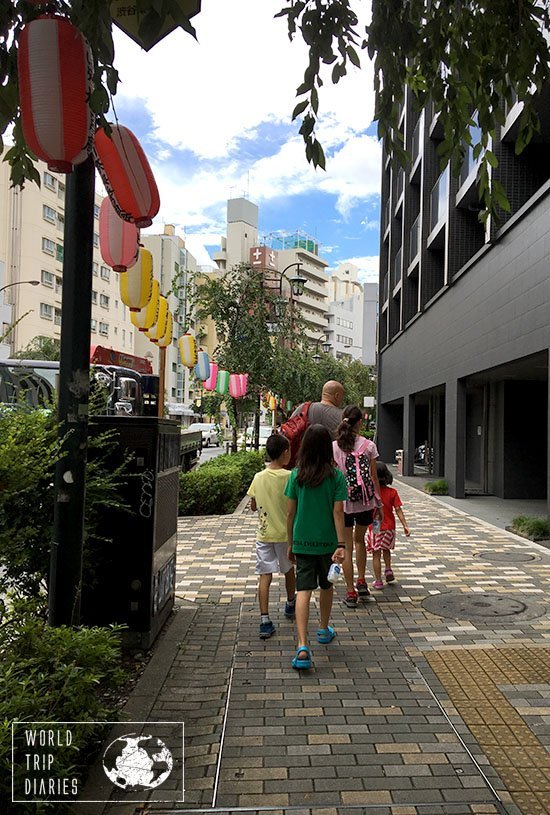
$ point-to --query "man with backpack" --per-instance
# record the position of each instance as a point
(327, 412)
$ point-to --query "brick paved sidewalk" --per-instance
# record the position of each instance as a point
(406, 712)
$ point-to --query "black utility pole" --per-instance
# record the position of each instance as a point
(74, 386)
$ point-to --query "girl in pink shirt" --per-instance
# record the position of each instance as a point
(382, 542)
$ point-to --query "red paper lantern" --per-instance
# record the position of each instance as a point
(126, 174)
(118, 239)
(55, 71)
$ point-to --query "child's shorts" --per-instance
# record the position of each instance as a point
(272, 557)
(382, 540)
(311, 572)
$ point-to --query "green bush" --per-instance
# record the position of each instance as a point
(217, 487)
(439, 487)
(29, 450)
(54, 674)
(531, 526)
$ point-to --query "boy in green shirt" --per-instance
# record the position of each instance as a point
(267, 492)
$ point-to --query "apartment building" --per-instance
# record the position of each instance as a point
(173, 266)
(31, 249)
(345, 330)
(464, 334)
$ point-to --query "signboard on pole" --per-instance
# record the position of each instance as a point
(126, 16)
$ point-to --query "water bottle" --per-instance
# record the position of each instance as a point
(376, 527)
(335, 573)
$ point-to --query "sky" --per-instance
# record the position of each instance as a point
(214, 118)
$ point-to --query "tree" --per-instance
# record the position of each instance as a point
(40, 348)
(465, 57)
(243, 310)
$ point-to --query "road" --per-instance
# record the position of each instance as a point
(208, 453)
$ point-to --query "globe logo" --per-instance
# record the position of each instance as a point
(137, 762)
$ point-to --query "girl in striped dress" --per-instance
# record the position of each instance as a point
(380, 543)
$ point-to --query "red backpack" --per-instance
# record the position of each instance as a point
(294, 430)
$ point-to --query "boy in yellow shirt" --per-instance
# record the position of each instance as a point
(267, 492)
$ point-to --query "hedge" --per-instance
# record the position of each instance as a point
(217, 487)
(59, 675)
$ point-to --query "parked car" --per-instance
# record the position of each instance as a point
(209, 432)
(265, 433)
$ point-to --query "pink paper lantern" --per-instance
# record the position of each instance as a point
(244, 383)
(126, 174)
(235, 386)
(55, 71)
(118, 239)
(210, 383)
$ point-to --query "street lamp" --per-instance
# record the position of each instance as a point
(20, 283)
(325, 344)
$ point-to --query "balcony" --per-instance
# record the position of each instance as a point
(396, 269)
(399, 186)
(414, 240)
(387, 216)
(385, 288)
(439, 200)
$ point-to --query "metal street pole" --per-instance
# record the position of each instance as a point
(74, 384)
(162, 381)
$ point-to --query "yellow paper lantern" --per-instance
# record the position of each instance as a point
(136, 284)
(188, 350)
(147, 316)
(158, 330)
(165, 341)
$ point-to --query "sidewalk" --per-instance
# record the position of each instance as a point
(433, 701)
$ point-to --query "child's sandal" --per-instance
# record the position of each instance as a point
(302, 664)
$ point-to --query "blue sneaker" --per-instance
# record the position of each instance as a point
(290, 609)
(267, 630)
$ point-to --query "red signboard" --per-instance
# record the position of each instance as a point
(108, 356)
(262, 257)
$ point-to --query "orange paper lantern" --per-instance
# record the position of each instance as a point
(126, 174)
(55, 71)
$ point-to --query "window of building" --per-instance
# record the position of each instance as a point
(96, 239)
(173, 393)
(93, 325)
(104, 329)
(116, 303)
(123, 336)
(95, 268)
(96, 211)
(94, 296)
(47, 278)
(116, 329)
(60, 220)
(48, 246)
(175, 368)
(58, 284)
(57, 316)
(59, 252)
(49, 181)
(61, 191)
(46, 311)
(104, 300)
(105, 273)
(48, 213)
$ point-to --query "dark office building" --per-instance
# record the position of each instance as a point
(464, 316)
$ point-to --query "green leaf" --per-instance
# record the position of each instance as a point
(300, 107)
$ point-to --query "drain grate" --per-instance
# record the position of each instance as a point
(483, 608)
(507, 556)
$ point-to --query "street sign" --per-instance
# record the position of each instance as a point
(128, 19)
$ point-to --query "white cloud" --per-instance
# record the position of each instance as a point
(368, 267)
(370, 225)
(239, 80)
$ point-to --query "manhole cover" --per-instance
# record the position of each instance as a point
(483, 608)
(509, 556)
